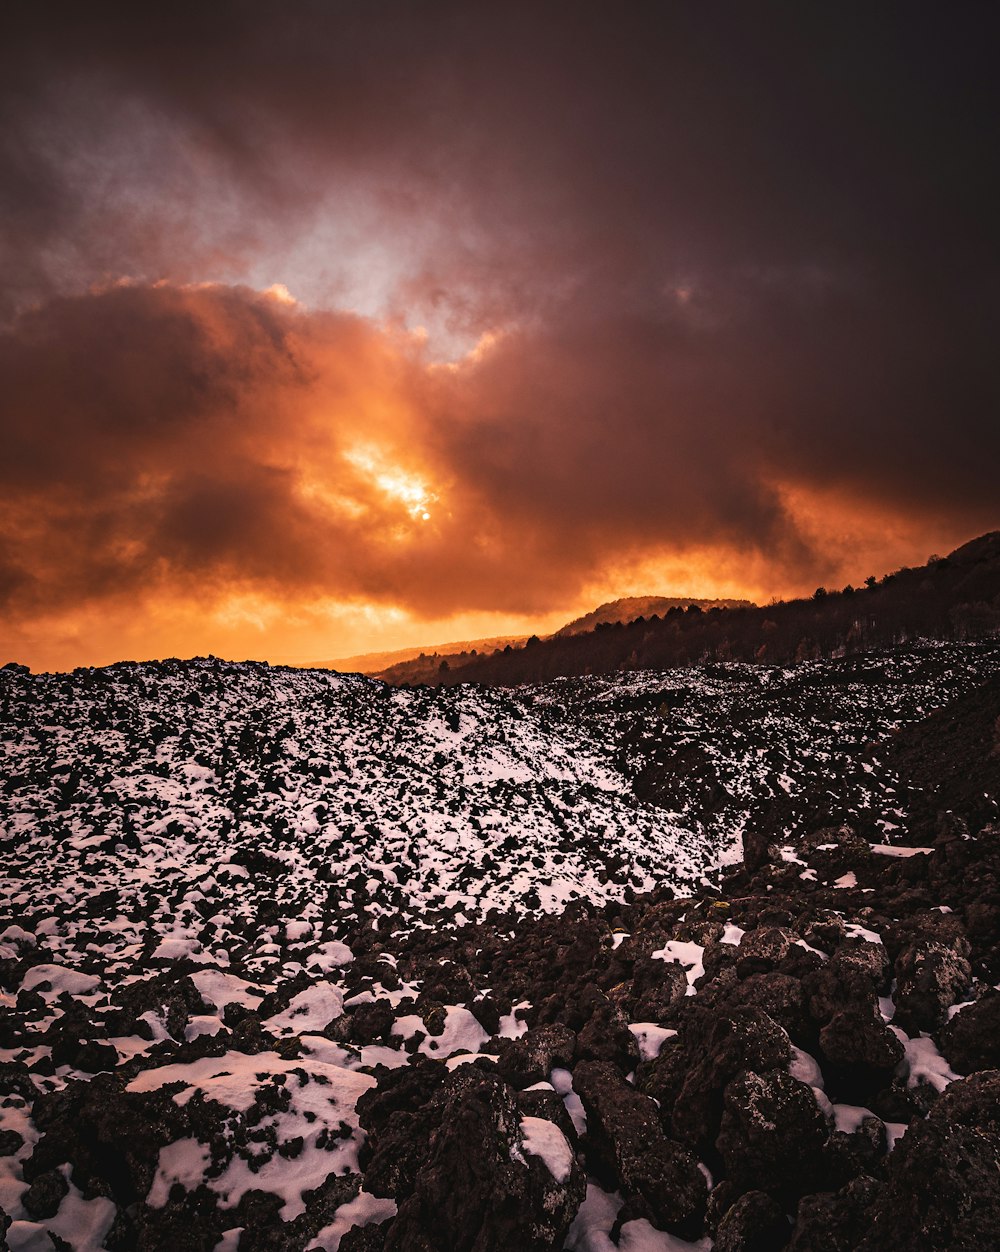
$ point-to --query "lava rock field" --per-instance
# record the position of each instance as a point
(703, 958)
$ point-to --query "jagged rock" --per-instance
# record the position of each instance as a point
(532, 1058)
(186, 1224)
(898, 1102)
(605, 1035)
(755, 1223)
(715, 1049)
(448, 983)
(91, 1056)
(400, 1115)
(263, 1230)
(371, 1021)
(548, 1105)
(656, 987)
(851, 978)
(110, 1138)
(15, 1079)
(971, 1040)
(759, 847)
(171, 995)
(479, 1187)
(825, 933)
(761, 950)
(626, 1147)
(780, 996)
(835, 850)
(772, 1134)
(487, 1013)
(581, 956)
(849, 1156)
(46, 1193)
(857, 1038)
(835, 1221)
(972, 1102)
(932, 970)
(930, 978)
(370, 1238)
(943, 1187)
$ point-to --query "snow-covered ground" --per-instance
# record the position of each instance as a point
(193, 852)
(147, 810)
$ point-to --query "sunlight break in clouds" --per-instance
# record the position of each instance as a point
(394, 482)
(318, 311)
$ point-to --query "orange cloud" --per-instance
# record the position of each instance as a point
(210, 468)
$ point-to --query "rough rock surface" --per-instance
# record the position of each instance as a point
(626, 1145)
(289, 962)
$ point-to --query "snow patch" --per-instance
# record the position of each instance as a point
(544, 1139)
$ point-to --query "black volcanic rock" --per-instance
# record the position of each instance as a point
(625, 1142)
(931, 975)
(478, 1188)
(43, 1197)
(835, 1221)
(532, 1058)
(971, 1040)
(858, 1038)
(755, 1223)
(714, 1049)
(656, 987)
(772, 1133)
(943, 1188)
(400, 1114)
(269, 1029)
(370, 1238)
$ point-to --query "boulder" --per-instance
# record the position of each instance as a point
(532, 1058)
(43, 1198)
(762, 950)
(932, 970)
(773, 1133)
(627, 1149)
(755, 1223)
(943, 1178)
(656, 987)
(400, 1115)
(716, 1048)
(481, 1186)
(859, 1036)
(971, 1040)
(835, 1221)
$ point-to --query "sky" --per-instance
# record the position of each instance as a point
(329, 328)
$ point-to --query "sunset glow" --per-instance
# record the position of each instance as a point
(358, 348)
(394, 483)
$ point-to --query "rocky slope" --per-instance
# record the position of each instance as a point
(294, 961)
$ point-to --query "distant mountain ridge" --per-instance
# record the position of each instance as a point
(628, 608)
(949, 598)
(375, 663)
(422, 664)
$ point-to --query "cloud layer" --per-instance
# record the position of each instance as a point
(706, 303)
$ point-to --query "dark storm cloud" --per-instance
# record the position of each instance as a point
(605, 149)
(731, 256)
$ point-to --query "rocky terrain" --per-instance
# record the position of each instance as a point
(654, 961)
